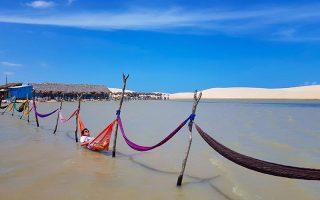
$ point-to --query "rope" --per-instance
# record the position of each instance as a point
(260, 165)
(118, 113)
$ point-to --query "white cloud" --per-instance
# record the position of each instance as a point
(70, 1)
(8, 73)
(41, 4)
(9, 64)
(265, 21)
(286, 33)
(307, 83)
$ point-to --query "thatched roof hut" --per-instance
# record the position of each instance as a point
(5, 87)
(57, 88)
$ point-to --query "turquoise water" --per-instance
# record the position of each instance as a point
(35, 164)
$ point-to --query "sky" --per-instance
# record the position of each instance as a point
(166, 46)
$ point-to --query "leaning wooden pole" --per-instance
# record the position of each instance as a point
(15, 100)
(35, 108)
(124, 80)
(28, 107)
(77, 116)
(57, 122)
(190, 125)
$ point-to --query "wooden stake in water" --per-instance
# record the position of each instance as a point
(35, 108)
(15, 100)
(76, 132)
(56, 127)
(28, 111)
(184, 162)
(124, 80)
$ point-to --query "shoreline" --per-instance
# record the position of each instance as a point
(180, 99)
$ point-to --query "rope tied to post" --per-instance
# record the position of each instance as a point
(118, 112)
(192, 117)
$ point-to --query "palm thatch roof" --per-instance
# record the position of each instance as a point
(9, 85)
(69, 88)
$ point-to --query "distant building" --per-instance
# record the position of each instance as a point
(69, 92)
(21, 92)
(4, 89)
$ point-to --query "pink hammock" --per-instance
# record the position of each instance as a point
(64, 120)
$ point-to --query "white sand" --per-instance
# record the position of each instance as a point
(303, 92)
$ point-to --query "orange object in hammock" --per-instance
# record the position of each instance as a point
(100, 142)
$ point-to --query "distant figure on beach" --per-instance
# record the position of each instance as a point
(85, 140)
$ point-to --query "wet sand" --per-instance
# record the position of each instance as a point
(35, 164)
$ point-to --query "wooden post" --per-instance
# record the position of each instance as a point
(28, 107)
(15, 100)
(184, 162)
(76, 132)
(35, 108)
(56, 127)
(124, 80)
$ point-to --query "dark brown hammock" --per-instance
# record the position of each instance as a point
(260, 165)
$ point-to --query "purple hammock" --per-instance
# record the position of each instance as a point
(42, 115)
(145, 148)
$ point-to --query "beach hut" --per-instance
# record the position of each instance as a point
(21, 92)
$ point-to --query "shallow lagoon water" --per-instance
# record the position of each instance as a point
(36, 164)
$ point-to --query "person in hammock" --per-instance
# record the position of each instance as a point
(85, 140)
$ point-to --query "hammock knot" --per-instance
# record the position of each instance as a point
(118, 113)
(192, 116)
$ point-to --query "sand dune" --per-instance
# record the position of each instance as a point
(303, 92)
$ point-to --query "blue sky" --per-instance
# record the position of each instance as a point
(166, 46)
